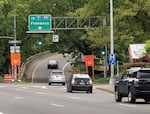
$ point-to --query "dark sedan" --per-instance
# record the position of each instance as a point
(80, 82)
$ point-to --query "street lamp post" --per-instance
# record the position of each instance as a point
(111, 40)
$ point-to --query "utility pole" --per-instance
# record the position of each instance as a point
(15, 67)
(111, 40)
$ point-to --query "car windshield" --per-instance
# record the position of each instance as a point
(52, 61)
(143, 74)
(57, 73)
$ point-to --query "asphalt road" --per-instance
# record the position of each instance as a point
(41, 72)
(43, 99)
(40, 98)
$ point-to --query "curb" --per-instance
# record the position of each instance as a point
(106, 88)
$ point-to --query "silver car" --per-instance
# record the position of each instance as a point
(56, 76)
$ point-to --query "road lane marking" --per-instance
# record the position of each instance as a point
(57, 105)
(74, 98)
(63, 70)
(39, 87)
(2, 113)
(40, 93)
(44, 87)
(16, 97)
(24, 87)
(127, 105)
(18, 89)
(40, 62)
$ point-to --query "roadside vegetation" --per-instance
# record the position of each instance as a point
(131, 26)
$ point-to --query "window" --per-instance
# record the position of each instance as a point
(144, 74)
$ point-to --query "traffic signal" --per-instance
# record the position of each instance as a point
(103, 50)
(40, 40)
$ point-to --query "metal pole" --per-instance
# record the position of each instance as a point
(111, 40)
(117, 68)
(15, 67)
(105, 61)
(14, 22)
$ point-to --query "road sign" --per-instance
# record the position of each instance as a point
(14, 49)
(112, 59)
(15, 59)
(39, 22)
(14, 41)
(89, 60)
(55, 38)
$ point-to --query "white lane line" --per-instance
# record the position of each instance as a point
(3, 86)
(40, 93)
(44, 87)
(57, 105)
(16, 97)
(39, 87)
(2, 113)
(24, 87)
(64, 88)
(18, 89)
(74, 98)
(127, 105)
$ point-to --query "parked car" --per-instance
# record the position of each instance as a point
(134, 84)
(80, 82)
(56, 76)
(52, 64)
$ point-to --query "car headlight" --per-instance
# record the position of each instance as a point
(73, 81)
(136, 82)
(89, 82)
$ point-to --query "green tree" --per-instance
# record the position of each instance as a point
(131, 24)
(23, 10)
(147, 47)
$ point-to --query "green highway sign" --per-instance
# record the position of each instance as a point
(39, 22)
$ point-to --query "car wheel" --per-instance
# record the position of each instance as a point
(118, 97)
(49, 83)
(131, 97)
(63, 84)
(147, 100)
(91, 90)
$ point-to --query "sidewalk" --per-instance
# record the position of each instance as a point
(105, 87)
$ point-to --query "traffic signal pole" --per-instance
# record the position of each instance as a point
(111, 40)
(15, 67)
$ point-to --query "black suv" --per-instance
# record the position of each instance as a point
(135, 83)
